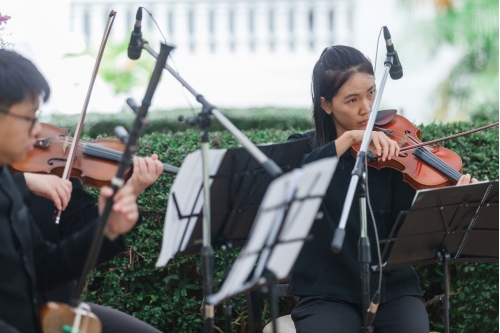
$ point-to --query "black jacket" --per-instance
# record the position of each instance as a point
(29, 265)
(320, 272)
(80, 212)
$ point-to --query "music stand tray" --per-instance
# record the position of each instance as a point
(451, 224)
(237, 186)
(282, 224)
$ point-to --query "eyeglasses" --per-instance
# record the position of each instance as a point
(32, 120)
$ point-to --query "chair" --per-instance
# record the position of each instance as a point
(284, 323)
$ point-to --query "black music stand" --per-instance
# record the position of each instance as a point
(238, 184)
(281, 227)
(451, 224)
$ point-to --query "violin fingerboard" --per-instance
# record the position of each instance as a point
(437, 163)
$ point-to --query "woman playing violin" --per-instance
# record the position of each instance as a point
(329, 285)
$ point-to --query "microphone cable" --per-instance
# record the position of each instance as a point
(156, 23)
(172, 58)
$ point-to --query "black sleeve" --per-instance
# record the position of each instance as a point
(328, 150)
(23, 188)
(403, 195)
(59, 263)
(6, 328)
(81, 211)
(298, 136)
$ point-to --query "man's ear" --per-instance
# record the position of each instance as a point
(325, 105)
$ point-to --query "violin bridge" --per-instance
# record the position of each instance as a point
(66, 143)
(403, 141)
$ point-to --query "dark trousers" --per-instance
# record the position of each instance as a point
(316, 314)
(114, 321)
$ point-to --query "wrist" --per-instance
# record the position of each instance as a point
(351, 138)
(28, 180)
(111, 235)
(344, 142)
(137, 192)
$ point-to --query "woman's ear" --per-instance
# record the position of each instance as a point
(325, 105)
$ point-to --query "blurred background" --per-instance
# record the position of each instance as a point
(260, 54)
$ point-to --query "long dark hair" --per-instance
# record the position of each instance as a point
(335, 67)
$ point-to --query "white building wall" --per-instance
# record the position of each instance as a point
(222, 57)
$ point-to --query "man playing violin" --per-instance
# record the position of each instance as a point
(30, 265)
(79, 210)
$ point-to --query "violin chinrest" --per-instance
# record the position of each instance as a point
(385, 116)
(57, 317)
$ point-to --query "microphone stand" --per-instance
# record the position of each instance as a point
(203, 121)
(358, 180)
(117, 181)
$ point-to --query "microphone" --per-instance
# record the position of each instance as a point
(396, 70)
(134, 48)
(122, 134)
(133, 105)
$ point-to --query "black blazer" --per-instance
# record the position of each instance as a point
(320, 272)
(29, 265)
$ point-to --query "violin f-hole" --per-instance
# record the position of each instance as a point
(57, 159)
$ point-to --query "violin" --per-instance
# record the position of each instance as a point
(422, 166)
(62, 318)
(95, 162)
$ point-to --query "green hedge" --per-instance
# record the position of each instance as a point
(167, 121)
(170, 298)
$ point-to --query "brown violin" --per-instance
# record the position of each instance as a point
(95, 162)
(422, 166)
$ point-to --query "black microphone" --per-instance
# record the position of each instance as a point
(134, 48)
(396, 70)
(133, 105)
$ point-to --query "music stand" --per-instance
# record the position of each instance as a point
(237, 184)
(451, 224)
(283, 221)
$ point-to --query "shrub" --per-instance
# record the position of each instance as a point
(170, 298)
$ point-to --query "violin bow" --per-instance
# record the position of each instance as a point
(76, 138)
(449, 137)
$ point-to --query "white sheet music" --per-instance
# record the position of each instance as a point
(275, 237)
(188, 191)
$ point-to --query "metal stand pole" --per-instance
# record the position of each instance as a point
(203, 121)
(357, 175)
(272, 282)
(207, 252)
(228, 310)
(445, 258)
(364, 255)
(338, 238)
(117, 181)
(266, 162)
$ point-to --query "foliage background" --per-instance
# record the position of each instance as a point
(170, 298)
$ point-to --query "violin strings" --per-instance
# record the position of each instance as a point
(427, 157)
(435, 161)
(398, 136)
(92, 147)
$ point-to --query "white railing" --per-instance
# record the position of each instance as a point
(223, 26)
